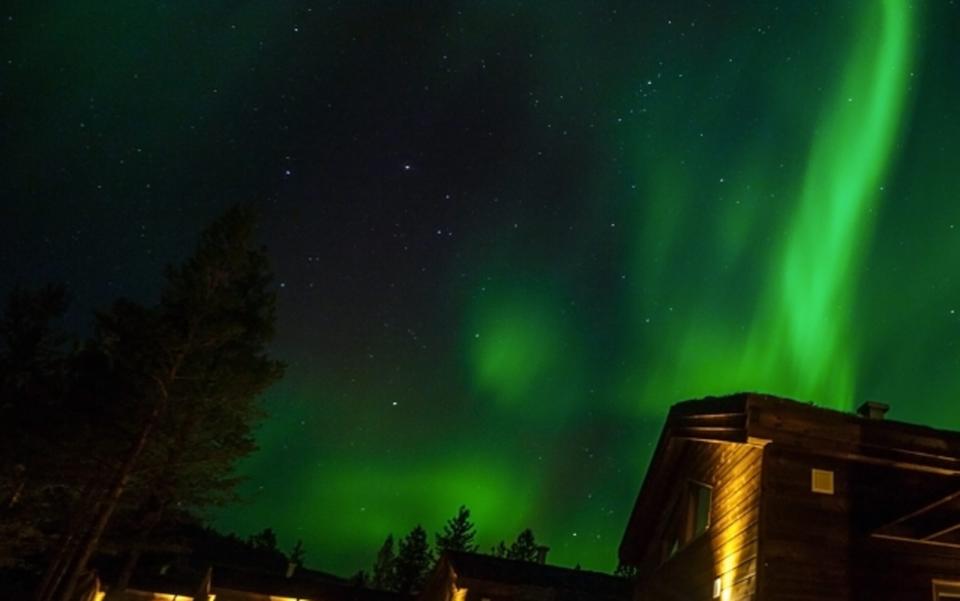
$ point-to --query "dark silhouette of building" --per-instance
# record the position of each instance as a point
(193, 582)
(460, 576)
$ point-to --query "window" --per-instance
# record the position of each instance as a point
(945, 590)
(698, 509)
(821, 481)
(691, 518)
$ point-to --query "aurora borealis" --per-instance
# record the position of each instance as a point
(507, 236)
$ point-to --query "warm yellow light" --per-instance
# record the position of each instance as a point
(733, 522)
(459, 594)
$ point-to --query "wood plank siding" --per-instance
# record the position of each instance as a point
(819, 546)
(895, 570)
(881, 524)
(728, 549)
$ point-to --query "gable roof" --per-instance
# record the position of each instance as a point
(758, 419)
(525, 573)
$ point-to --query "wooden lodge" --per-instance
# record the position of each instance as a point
(195, 582)
(457, 576)
(753, 497)
(461, 576)
(747, 498)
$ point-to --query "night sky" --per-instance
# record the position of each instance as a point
(507, 236)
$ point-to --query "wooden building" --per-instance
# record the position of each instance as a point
(460, 576)
(223, 583)
(753, 497)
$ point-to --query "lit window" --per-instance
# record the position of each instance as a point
(945, 590)
(821, 481)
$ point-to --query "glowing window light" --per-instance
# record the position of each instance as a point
(821, 481)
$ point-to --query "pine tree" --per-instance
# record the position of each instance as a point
(197, 360)
(265, 540)
(525, 548)
(40, 442)
(458, 533)
(500, 550)
(33, 366)
(413, 561)
(383, 567)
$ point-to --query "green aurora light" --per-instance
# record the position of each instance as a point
(510, 236)
(799, 343)
(759, 297)
(802, 344)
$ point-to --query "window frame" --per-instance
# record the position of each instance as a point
(682, 524)
(702, 486)
(945, 589)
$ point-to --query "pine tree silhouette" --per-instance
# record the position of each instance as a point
(413, 561)
(525, 548)
(383, 568)
(458, 533)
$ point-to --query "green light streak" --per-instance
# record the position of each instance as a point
(803, 341)
(790, 332)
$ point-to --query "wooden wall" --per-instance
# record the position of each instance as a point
(893, 570)
(817, 546)
(728, 549)
(806, 536)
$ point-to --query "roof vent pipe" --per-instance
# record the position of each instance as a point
(873, 410)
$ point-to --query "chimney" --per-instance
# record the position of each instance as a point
(291, 568)
(873, 410)
(542, 554)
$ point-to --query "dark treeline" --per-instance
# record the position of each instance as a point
(108, 443)
(403, 566)
(113, 446)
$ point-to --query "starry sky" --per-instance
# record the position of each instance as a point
(507, 236)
